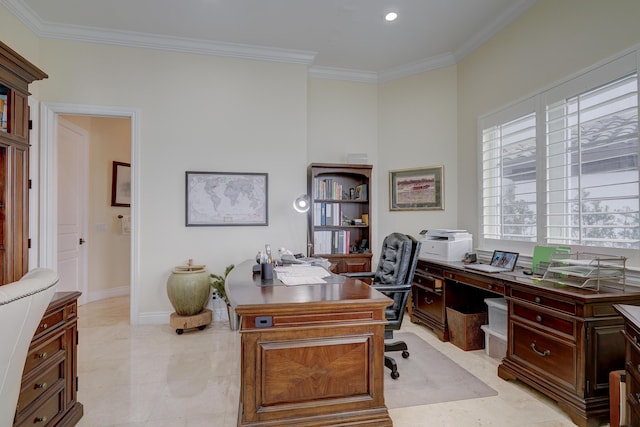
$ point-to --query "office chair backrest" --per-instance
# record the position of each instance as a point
(22, 305)
(402, 251)
(395, 258)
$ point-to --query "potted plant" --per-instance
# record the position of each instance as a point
(217, 284)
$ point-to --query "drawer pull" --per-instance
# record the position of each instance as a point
(428, 301)
(538, 352)
(538, 318)
(41, 386)
(43, 355)
(538, 300)
(43, 326)
(41, 419)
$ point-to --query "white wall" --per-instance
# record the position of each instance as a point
(551, 41)
(417, 128)
(198, 113)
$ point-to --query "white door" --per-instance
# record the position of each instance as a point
(72, 154)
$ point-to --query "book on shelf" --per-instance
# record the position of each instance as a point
(331, 241)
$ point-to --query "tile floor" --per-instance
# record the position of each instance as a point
(148, 375)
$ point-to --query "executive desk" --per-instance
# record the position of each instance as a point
(312, 355)
(563, 341)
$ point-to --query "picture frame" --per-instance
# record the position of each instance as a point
(226, 199)
(416, 189)
(121, 184)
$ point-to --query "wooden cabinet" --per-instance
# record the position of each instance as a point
(631, 316)
(339, 218)
(16, 74)
(564, 342)
(48, 396)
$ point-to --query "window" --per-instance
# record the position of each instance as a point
(562, 168)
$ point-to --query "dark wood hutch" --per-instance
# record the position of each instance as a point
(48, 394)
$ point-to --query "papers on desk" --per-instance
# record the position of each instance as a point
(298, 274)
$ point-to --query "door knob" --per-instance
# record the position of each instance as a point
(82, 241)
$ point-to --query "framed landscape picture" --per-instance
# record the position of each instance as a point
(226, 198)
(416, 189)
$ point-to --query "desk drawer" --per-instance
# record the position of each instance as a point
(49, 322)
(34, 388)
(46, 413)
(477, 280)
(431, 283)
(550, 357)
(428, 302)
(544, 301)
(44, 352)
(545, 319)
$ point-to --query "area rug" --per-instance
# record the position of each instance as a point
(429, 376)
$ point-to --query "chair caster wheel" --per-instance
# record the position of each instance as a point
(201, 327)
(395, 375)
(405, 354)
(179, 331)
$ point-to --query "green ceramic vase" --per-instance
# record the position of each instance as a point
(188, 289)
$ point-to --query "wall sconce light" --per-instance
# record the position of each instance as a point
(302, 203)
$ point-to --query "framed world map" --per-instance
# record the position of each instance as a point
(226, 199)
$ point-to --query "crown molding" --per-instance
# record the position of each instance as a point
(154, 41)
(329, 73)
(197, 46)
(500, 22)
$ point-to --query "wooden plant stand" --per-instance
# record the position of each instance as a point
(200, 321)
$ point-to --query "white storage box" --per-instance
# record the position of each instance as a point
(495, 344)
(497, 314)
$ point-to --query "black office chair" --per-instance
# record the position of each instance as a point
(393, 278)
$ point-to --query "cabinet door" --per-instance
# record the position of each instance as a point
(604, 354)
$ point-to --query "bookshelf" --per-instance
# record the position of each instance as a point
(339, 218)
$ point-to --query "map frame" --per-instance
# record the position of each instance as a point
(247, 217)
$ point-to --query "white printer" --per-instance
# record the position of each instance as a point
(445, 244)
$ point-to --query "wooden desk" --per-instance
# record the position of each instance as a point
(312, 355)
(563, 341)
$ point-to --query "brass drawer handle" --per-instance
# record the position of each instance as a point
(41, 386)
(43, 355)
(538, 352)
(41, 419)
(43, 326)
(538, 300)
(428, 301)
(538, 318)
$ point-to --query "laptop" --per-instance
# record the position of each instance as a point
(501, 261)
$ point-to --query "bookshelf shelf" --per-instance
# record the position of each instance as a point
(339, 227)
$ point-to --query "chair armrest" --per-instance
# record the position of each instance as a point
(392, 288)
(359, 275)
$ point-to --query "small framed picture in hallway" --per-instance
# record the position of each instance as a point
(121, 184)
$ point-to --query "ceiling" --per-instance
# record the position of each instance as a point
(340, 38)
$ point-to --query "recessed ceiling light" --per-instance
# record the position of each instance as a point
(391, 16)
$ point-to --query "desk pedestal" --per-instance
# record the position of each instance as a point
(314, 369)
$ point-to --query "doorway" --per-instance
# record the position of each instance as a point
(107, 222)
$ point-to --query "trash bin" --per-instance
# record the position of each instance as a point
(464, 328)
